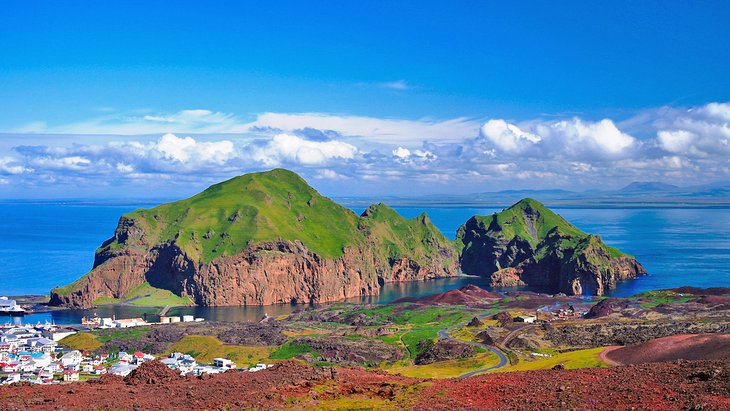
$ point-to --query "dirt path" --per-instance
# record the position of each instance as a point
(604, 355)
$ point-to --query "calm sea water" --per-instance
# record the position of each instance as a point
(44, 245)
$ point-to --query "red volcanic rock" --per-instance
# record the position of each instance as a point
(291, 274)
(686, 347)
(467, 295)
(714, 300)
(702, 291)
(152, 372)
(289, 385)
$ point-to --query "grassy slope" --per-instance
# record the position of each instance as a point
(574, 359)
(278, 204)
(205, 348)
(448, 368)
(512, 222)
(225, 218)
(145, 295)
(82, 341)
(396, 236)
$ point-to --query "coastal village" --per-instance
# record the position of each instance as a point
(32, 353)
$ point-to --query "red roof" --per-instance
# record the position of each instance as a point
(139, 354)
(69, 372)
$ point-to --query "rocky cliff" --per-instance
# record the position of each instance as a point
(260, 239)
(528, 244)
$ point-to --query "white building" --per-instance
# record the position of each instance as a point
(58, 334)
(526, 319)
(71, 358)
(224, 363)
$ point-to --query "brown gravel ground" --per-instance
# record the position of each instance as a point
(681, 385)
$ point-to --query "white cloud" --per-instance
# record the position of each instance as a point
(679, 145)
(328, 174)
(508, 137)
(9, 165)
(288, 148)
(400, 85)
(381, 130)
(401, 152)
(575, 139)
(185, 149)
(70, 163)
(696, 132)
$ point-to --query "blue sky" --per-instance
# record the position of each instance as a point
(392, 97)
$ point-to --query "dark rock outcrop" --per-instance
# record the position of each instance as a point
(529, 245)
(430, 352)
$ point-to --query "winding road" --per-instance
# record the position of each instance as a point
(444, 335)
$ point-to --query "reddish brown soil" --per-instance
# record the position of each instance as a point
(702, 291)
(714, 300)
(665, 386)
(686, 347)
(467, 295)
(153, 372)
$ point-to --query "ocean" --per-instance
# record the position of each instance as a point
(44, 244)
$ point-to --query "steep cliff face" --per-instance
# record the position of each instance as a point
(527, 244)
(261, 239)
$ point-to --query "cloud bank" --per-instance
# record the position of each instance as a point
(357, 154)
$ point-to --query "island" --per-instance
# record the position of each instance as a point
(259, 239)
(527, 244)
(270, 238)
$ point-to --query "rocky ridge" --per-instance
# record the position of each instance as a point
(529, 245)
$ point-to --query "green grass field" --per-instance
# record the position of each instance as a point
(574, 359)
(206, 348)
(444, 369)
(290, 350)
(145, 295)
(82, 341)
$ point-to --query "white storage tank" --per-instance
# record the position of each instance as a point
(188, 318)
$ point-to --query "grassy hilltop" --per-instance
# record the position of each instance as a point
(229, 218)
(542, 249)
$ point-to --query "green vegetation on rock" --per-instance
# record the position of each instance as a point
(261, 214)
(542, 249)
(145, 295)
(227, 217)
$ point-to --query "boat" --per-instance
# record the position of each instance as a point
(10, 307)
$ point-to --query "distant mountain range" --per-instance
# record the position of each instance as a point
(635, 194)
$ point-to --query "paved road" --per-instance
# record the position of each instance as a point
(516, 332)
(444, 335)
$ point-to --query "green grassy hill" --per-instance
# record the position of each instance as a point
(229, 218)
(546, 250)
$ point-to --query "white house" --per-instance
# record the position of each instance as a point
(526, 319)
(13, 377)
(70, 375)
(45, 374)
(71, 358)
(121, 369)
(224, 363)
(129, 322)
(41, 344)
